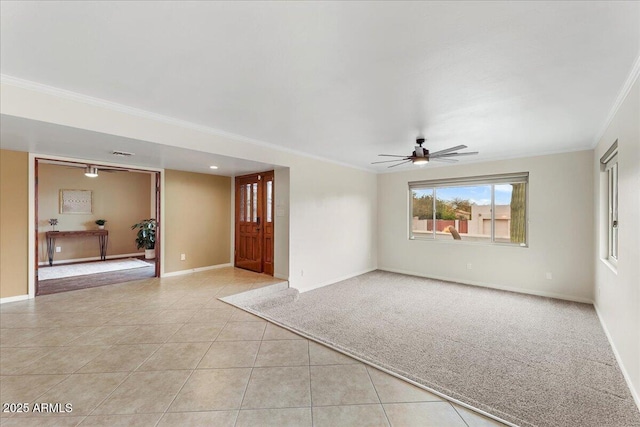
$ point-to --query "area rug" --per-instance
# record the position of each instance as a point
(70, 270)
(527, 360)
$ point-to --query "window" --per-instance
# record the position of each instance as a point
(489, 209)
(610, 167)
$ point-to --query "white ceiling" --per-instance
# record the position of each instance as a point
(343, 80)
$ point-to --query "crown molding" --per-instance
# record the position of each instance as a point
(622, 95)
(121, 108)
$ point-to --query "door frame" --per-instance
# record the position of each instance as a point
(262, 208)
(33, 211)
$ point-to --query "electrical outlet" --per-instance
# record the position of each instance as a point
(469, 266)
(183, 257)
(549, 276)
(58, 249)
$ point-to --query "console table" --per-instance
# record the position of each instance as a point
(103, 238)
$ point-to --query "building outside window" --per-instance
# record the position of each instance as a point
(487, 209)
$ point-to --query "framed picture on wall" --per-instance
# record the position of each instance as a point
(76, 201)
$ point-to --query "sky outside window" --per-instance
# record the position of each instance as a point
(480, 195)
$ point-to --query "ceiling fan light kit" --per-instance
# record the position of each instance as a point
(421, 155)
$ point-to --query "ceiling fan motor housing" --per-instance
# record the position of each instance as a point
(421, 152)
(421, 155)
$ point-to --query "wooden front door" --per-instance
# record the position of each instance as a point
(254, 222)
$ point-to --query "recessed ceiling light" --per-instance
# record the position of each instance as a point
(213, 167)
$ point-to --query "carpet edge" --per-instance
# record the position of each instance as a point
(369, 363)
(625, 374)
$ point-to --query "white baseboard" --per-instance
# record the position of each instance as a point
(625, 374)
(13, 299)
(492, 286)
(94, 258)
(195, 270)
(281, 276)
(337, 279)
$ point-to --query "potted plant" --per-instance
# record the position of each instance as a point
(101, 223)
(146, 237)
(53, 222)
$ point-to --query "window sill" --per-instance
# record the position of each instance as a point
(610, 265)
(467, 242)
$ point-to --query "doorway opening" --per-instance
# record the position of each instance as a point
(83, 218)
(254, 222)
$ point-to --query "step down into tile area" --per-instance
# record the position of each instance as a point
(268, 296)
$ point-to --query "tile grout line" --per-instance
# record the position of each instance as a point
(197, 364)
(108, 317)
(118, 386)
(310, 388)
(244, 394)
(377, 394)
(130, 373)
(460, 415)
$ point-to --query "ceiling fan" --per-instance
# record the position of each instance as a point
(421, 155)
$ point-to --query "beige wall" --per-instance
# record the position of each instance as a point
(14, 206)
(559, 244)
(312, 182)
(617, 295)
(197, 220)
(122, 198)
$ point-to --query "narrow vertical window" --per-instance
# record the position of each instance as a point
(610, 167)
(242, 217)
(248, 201)
(269, 200)
(613, 207)
(255, 202)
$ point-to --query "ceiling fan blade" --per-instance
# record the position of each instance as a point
(445, 160)
(389, 161)
(471, 153)
(448, 150)
(393, 166)
(390, 155)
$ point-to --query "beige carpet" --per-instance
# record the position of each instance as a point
(71, 270)
(531, 361)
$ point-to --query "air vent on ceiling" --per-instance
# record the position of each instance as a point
(122, 154)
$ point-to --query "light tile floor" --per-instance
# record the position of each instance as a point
(167, 352)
